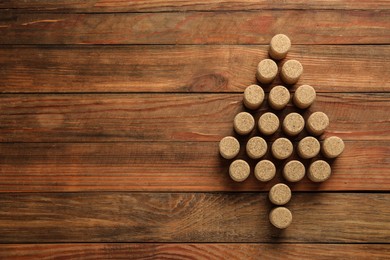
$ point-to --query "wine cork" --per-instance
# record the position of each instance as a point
(280, 217)
(229, 147)
(294, 171)
(304, 96)
(239, 170)
(279, 194)
(308, 147)
(268, 123)
(279, 46)
(278, 97)
(243, 123)
(265, 170)
(266, 71)
(291, 71)
(332, 147)
(293, 124)
(319, 171)
(317, 123)
(256, 147)
(282, 148)
(253, 97)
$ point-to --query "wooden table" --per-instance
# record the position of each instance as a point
(111, 113)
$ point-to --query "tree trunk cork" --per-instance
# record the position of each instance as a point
(294, 171)
(243, 123)
(229, 147)
(266, 71)
(278, 97)
(280, 217)
(253, 97)
(317, 123)
(308, 147)
(239, 170)
(256, 147)
(282, 148)
(268, 123)
(265, 170)
(304, 96)
(319, 171)
(332, 147)
(279, 194)
(291, 71)
(279, 46)
(293, 124)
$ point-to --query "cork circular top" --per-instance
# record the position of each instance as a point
(278, 97)
(280, 217)
(282, 148)
(279, 194)
(308, 147)
(332, 147)
(317, 123)
(319, 171)
(304, 96)
(279, 46)
(265, 170)
(239, 170)
(293, 124)
(253, 96)
(256, 147)
(243, 123)
(294, 171)
(268, 123)
(266, 71)
(291, 71)
(229, 147)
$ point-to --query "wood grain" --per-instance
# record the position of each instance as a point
(194, 251)
(169, 166)
(170, 117)
(257, 27)
(189, 68)
(190, 217)
(182, 5)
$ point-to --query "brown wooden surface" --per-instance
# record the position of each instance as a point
(194, 251)
(111, 113)
(168, 166)
(170, 117)
(256, 27)
(183, 5)
(193, 68)
(191, 217)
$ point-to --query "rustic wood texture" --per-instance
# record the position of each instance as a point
(169, 166)
(170, 117)
(95, 165)
(192, 68)
(191, 217)
(194, 251)
(257, 27)
(183, 5)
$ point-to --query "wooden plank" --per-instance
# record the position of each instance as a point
(170, 166)
(189, 68)
(194, 251)
(190, 217)
(181, 5)
(257, 27)
(170, 117)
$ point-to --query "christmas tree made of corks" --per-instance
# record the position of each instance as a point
(292, 125)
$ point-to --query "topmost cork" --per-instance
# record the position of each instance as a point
(279, 46)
